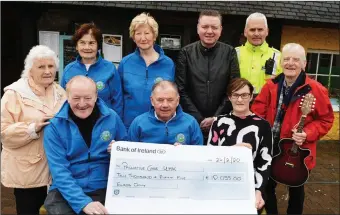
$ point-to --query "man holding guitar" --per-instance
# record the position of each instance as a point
(298, 128)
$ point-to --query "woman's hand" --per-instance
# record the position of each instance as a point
(244, 144)
(42, 123)
(259, 202)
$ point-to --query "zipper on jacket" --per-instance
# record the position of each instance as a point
(167, 133)
(147, 76)
(89, 148)
(208, 82)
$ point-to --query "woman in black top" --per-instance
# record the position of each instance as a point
(242, 127)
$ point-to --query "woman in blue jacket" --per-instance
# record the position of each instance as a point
(89, 63)
(140, 70)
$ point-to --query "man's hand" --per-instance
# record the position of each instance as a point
(206, 123)
(259, 202)
(95, 208)
(110, 146)
(299, 138)
(41, 123)
(244, 144)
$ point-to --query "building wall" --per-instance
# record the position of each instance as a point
(333, 134)
(311, 38)
(22, 22)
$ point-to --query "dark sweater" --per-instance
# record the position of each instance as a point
(86, 125)
(257, 129)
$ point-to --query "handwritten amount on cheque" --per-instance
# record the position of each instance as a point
(132, 175)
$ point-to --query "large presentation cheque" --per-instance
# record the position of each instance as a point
(165, 179)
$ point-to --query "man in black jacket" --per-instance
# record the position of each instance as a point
(204, 70)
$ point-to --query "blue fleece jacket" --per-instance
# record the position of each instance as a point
(77, 169)
(183, 128)
(106, 77)
(138, 79)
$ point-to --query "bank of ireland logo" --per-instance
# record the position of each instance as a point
(100, 85)
(116, 192)
(105, 136)
(158, 79)
(180, 138)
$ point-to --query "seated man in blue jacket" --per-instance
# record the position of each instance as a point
(165, 123)
(76, 142)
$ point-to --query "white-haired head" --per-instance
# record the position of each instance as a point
(38, 52)
(294, 52)
(297, 48)
(257, 16)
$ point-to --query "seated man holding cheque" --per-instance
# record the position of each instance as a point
(76, 142)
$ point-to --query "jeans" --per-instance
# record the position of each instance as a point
(56, 204)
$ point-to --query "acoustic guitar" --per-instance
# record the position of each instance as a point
(288, 167)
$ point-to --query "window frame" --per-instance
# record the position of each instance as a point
(316, 74)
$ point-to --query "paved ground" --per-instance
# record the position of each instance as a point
(322, 189)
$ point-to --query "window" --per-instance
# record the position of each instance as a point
(324, 66)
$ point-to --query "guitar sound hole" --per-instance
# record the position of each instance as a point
(292, 153)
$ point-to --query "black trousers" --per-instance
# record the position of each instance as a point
(205, 137)
(29, 200)
(295, 202)
(56, 204)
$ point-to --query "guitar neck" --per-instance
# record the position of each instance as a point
(306, 107)
(301, 124)
(299, 130)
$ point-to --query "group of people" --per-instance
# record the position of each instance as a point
(216, 95)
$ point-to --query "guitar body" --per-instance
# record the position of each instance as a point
(289, 168)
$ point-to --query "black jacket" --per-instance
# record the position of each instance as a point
(202, 76)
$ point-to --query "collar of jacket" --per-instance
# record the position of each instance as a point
(157, 48)
(205, 50)
(21, 86)
(300, 90)
(151, 114)
(99, 58)
(103, 109)
(281, 77)
(261, 48)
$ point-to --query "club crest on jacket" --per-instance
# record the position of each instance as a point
(100, 85)
(105, 136)
(180, 138)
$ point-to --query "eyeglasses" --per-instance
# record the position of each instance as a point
(243, 95)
